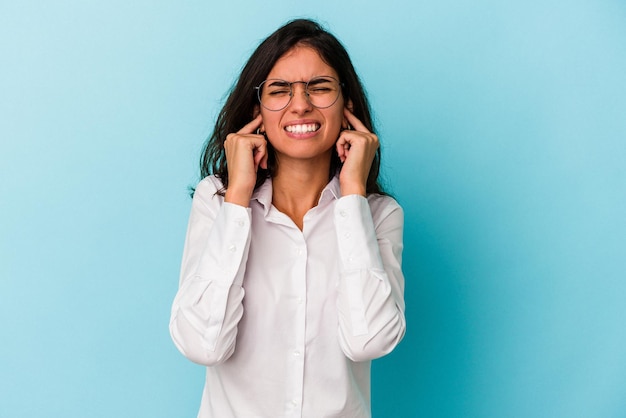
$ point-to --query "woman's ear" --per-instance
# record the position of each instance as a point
(350, 105)
(255, 112)
(344, 123)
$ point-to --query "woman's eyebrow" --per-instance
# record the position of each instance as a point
(278, 83)
(319, 80)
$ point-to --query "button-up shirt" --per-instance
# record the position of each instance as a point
(287, 321)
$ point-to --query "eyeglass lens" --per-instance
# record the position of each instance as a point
(275, 94)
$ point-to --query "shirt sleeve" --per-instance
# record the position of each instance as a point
(370, 300)
(208, 305)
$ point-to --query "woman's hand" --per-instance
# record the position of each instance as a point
(356, 150)
(245, 153)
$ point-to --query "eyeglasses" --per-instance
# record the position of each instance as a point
(275, 94)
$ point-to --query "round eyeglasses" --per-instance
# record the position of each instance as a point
(275, 94)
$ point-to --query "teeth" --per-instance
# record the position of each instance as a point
(301, 129)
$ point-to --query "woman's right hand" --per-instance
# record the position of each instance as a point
(245, 152)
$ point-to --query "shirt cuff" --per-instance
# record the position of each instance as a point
(356, 235)
(232, 232)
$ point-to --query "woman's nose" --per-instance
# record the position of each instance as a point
(300, 98)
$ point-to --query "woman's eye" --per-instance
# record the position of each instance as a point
(279, 92)
(320, 90)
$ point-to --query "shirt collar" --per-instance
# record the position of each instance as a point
(331, 191)
(263, 194)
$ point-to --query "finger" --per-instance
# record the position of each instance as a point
(260, 154)
(342, 146)
(354, 121)
(263, 162)
(252, 126)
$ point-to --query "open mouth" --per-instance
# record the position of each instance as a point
(303, 128)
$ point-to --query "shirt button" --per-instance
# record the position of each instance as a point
(343, 213)
(232, 248)
(300, 300)
(294, 402)
(347, 235)
(240, 223)
(296, 353)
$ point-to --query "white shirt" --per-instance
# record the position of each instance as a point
(287, 321)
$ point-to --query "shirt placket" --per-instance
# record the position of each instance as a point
(297, 350)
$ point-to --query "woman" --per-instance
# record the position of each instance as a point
(291, 278)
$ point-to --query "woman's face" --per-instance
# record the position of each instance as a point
(301, 131)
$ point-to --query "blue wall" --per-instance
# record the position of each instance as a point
(504, 133)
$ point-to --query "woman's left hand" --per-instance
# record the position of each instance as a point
(356, 149)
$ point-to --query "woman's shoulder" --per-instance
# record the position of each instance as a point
(382, 205)
(208, 190)
(209, 185)
(382, 200)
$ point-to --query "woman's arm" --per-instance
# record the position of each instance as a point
(370, 299)
(208, 305)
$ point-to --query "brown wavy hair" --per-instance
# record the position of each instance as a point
(242, 100)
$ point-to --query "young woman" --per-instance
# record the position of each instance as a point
(291, 279)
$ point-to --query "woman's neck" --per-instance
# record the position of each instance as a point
(298, 189)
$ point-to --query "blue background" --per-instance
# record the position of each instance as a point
(503, 129)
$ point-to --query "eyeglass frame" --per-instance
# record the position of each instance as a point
(291, 94)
